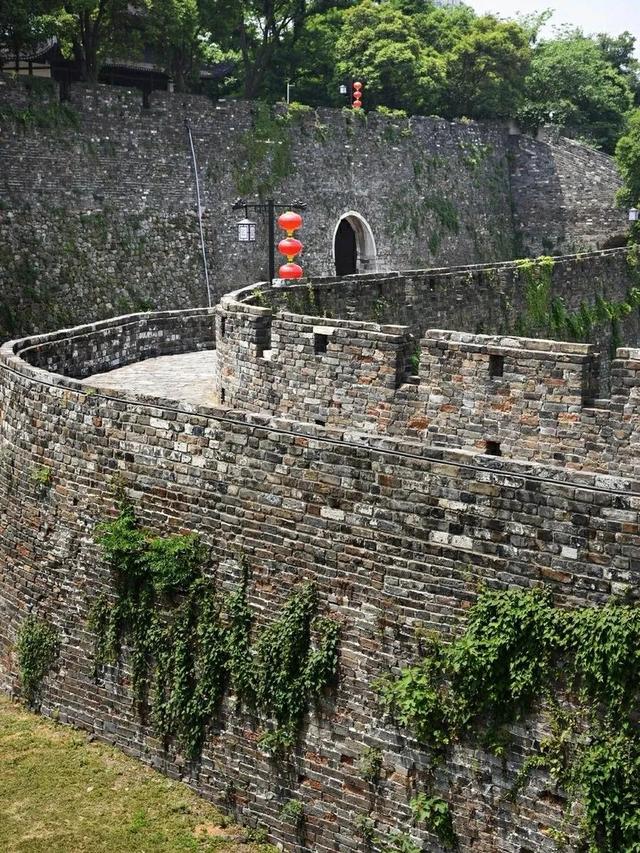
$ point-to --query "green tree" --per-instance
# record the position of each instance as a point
(176, 31)
(380, 44)
(485, 68)
(258, 29)
(424, 58)
(618, 51)
(570, 83)
(628, 159)
(89, 29)
(24, 24)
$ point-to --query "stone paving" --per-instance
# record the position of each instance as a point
(187, 377)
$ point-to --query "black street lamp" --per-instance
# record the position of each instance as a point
(247, 228)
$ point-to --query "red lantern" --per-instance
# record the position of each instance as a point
(290, 271)
(356, 95)
(290, 221)
(290, 247)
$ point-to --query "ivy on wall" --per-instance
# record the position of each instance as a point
(37, 648)
(517, 650)
(265, 159)
(188, 644)
(546, 315)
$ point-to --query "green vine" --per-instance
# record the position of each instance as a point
(37, 647)
(187, 645)
(370, 765)
(517, 650)
(435, 814)
(265, 151)
(546, 315)
(44, 116)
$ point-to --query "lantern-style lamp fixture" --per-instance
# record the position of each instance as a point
(634, 215)
(343, 89)
(246, 231)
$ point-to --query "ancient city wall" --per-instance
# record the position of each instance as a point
(120, 341)
(98, 206)
(558, 187)
(396, 535)
(525, 398)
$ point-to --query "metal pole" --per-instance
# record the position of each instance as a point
(202, 244)
(272, 239)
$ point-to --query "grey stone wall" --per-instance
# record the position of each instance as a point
(548, 403)
(97, 198)
(562, 192)
(395, 534)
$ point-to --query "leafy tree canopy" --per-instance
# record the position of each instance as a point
(572, 83)
(628, 158)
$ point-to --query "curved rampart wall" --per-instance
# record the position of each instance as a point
(536, 399)
(396, 535)
(114, 343)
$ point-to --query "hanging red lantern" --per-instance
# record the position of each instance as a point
(290, 247)
(290, 221)
(356, 95)
(289, 271)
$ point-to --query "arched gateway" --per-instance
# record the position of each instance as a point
(354, 249)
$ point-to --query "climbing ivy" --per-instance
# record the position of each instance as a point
(517, 650)
(45, 116)
(435, 814)
(547, 315)
(265, 151)
(187, 644)
(37, 647)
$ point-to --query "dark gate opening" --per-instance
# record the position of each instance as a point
(346, 249)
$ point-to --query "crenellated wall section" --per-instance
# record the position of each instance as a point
(563, 402)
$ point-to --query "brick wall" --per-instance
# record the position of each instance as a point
(97, 216)
(561, 402)
(395, 533)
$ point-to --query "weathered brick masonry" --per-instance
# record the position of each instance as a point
(97, 203)
(539, 400)
(396, 533)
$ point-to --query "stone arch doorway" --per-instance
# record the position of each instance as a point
(354, 249)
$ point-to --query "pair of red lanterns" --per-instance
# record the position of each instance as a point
(290, 246)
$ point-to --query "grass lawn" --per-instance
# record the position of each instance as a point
(61, 794)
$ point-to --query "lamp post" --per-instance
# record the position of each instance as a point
(247, 228)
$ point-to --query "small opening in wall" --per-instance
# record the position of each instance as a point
(146, 99)
(223, 326)
(492, 448)
(320, 343)
(223, 395)
(321, 422)
(496, 365)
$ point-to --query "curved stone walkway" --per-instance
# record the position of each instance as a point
(187, 377)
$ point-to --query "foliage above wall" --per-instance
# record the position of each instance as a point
(188, 644)
(518, 654)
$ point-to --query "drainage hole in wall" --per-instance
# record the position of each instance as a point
(496, 365)
(320, 343)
